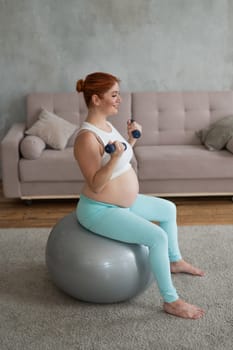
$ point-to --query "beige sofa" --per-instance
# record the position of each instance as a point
(169, 157)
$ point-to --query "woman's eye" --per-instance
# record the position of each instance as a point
(116, 95)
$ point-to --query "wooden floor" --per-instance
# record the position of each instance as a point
(45, 213)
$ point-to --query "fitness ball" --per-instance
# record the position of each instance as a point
(93, 268)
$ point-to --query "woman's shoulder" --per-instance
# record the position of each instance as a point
(86, 137)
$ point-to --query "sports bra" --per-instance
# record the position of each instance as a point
(123, 163)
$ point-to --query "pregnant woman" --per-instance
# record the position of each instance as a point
(110, 204)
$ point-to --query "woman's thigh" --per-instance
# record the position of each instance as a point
(119, 223)
(154, 208)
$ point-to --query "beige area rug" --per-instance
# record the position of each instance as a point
(35, 315)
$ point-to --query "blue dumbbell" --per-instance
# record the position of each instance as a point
(136, 133)
(110, 147)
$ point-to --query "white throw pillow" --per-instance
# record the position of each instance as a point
(52, 129)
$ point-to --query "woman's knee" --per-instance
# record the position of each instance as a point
(170, 210)
(160, 239)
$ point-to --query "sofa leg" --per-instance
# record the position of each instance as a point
(28, 202)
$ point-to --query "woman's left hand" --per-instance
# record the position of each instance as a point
(131, 126)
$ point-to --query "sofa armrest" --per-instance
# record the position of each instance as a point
(10, 156)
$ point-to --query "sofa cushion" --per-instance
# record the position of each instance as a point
(52, 129)
(182, 162)
(172, 118)
(31, 147)
(229, 145)
(53, 165)
(218, 134)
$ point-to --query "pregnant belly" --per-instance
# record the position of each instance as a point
(121, 191)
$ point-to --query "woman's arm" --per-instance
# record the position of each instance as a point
(88, 152)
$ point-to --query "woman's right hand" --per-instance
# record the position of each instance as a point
(120, 148)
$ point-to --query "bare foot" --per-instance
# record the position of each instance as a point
(183, 266)
(182, 309)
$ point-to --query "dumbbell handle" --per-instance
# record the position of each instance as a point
(135, 133)
(110, 147)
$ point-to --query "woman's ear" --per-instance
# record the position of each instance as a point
(95, 100)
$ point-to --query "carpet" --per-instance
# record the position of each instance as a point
(35, 315)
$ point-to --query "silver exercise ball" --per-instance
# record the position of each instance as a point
(93, 268)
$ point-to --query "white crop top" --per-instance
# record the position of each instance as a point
(123, 163)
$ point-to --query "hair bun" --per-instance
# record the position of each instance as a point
(80, 85)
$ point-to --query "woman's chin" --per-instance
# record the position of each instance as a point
(115, 111)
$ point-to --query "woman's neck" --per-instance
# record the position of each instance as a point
(98, 119)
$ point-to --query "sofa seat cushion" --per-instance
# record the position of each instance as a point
(53, 165)
(182, 162)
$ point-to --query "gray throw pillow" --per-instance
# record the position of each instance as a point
(218, 134)
(229, 145)
(31, 147)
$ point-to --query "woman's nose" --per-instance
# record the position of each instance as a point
(119, 99)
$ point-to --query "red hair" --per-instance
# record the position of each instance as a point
(96, 84)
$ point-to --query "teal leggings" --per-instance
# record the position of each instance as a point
(133, 225)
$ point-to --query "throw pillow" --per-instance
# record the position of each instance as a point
(31, 147)
(72, 139)
(229, 145)
(52, 129)
(218, 134)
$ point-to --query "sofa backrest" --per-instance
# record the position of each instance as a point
(173, 118)
(66, 105)
(72, 107)
(166, 117)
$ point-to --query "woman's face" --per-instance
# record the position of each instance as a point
(111, 100)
